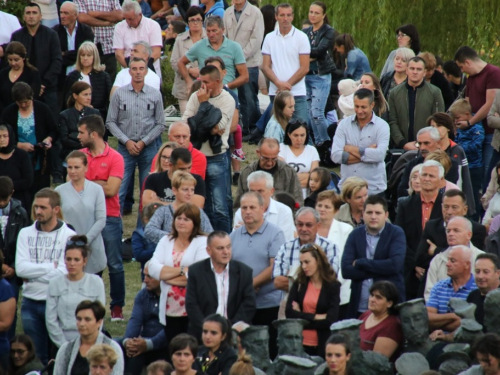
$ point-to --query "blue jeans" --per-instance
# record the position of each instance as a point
(487, 155)
(33, 318)
(249, 101)
(318, 90)
(143, 161)
(216, 182)
(112, 236)
(264, 119)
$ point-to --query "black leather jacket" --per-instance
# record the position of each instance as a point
(18, 219)
(322, 52)
(202, 123)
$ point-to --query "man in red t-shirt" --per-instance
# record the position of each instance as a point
(106, 168)
(482, 85)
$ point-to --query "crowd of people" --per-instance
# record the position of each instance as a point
(415, 212)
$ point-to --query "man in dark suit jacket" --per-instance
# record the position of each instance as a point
(69, 28)
(373, 252)
(433, 240)
(207, 291)
(410, 219)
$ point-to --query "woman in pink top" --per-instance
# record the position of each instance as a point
(315, 297)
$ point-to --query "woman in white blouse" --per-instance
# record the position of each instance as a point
(185, 245)
(84, 208)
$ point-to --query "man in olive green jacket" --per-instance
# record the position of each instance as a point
(410, 105)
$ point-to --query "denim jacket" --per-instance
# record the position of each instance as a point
(357, 64)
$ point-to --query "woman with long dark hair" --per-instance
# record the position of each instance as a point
(407, 36)
(315, 297)
(23, 358)
(356, 61)
(337, 355)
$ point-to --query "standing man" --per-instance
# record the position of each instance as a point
(40, 258)
(244, 24)
(361, 142)
(411, 104)
(211, 94)
(374, 251)
(135, 118)
(105, 167)
(135, 27)
(216, 44)
(286, 60)
(482, 85)
(102, 16)
(256, 244)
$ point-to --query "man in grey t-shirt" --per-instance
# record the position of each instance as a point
(256, 244)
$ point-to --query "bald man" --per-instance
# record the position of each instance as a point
(180, 133)
(458, 232)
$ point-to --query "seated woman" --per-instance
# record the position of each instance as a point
(102, 359)
(243, 365)
(71, 357)
(298, 154)
(381, 330)
(337, 355)
(354, 193)
(486, 352)
(183, 351)
(67, 291)
(319, 181)
(23, 358)
(184, 245)
(442, 158)
(183, 184)
(283, 109)
(216, 356)
(314, 297)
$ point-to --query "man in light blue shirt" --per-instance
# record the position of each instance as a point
(361, 142)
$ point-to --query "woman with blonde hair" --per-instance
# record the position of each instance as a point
(88, 68)
(354, 193)
(243, 365)
(283, 109)
(102, 359)
(398, 75)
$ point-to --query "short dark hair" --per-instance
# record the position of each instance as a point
(21, 91)
(443, 119)
(210, 70)
(137, 59)
(365, 93)
(456, 193)
(451, 68)
(439, 61)
(183, 341)
(487, 344)
(216, 233)
(33, 5)
(417, 59)
(340, 339)
(410, 30)
(96, 306)
(178, 26)
(282, 5)
(193, 11)
(51, 194)
(389, 291)
(181, 154)
(6, 187)
(212, 59)
(376, 199)
(291, 127)
(465, 53)
(93, 123)
(491, 257)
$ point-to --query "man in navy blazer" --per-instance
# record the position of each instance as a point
(208, 291)
(373, 252)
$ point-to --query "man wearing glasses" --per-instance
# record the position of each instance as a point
(285, 177)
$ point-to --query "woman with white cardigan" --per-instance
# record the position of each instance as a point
(84, 209)
(185, 245)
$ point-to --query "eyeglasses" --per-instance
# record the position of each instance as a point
(400, 35)
(77, 243)
(195, 21)
(267, 160)
(17, 351)
(165, 158)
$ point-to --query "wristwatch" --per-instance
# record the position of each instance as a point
(182, 270)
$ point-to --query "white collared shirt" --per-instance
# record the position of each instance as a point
(71, 45)
(222, 281)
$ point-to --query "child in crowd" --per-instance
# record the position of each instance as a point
(142, 248)
(319, 179)
(347, 88)
(471, 139)
(283, 108)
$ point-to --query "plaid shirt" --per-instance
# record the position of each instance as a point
(103, 34)
(288, 256)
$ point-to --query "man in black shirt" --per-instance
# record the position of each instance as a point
(487, 275)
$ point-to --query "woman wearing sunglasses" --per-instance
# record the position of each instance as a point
(67, 291)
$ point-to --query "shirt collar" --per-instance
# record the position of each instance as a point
(411, 87)
(375, 235)
(74, 30)
(138, 26)
(468, 285)
(290, 33)
(431, 201)
(131, 88)
(226, 270)
(355, 120)
(224, 42)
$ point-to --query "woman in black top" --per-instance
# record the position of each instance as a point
(16, 164)
(19, 70)
(89, 69)
(183, 350)
(216, 356)
(78, 106)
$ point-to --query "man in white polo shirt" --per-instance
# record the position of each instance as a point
(285, 55)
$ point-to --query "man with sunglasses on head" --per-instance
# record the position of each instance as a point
(285, 177)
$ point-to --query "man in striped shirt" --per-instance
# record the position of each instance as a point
(458, 285)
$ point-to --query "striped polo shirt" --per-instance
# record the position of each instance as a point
(443, 291)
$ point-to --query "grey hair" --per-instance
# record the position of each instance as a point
(214, 20)
(405, 53)
(177, 123)
(305, 210)
(74, 5)
(129, 5)
(261, 175)
(433, 163)
(433, 132)
(416, 168)
(466, 252)
(145, 45)
(253, 194)
(464, 220)
(282, 5)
